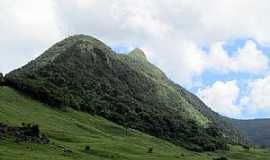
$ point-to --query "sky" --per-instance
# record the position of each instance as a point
(219, 50)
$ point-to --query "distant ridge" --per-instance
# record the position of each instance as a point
(257, 130)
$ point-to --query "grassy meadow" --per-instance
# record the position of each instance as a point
(73, 131)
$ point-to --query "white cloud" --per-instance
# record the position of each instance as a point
(248, 59)
(241, 18)
(27, 27)
(257, 98)
(226, 99)
(187, 60)
(170, 31)
(85, 3)
(221, 97)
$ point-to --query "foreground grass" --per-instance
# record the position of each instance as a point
(74, 130)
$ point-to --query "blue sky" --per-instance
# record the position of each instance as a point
(219, 50)
(208, 78)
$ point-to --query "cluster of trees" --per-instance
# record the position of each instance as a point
(30, 130)
(233, 135)
(25, 133)
(100, 84)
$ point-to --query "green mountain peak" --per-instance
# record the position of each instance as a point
(138, 53)
(83, 42)
(83, 73)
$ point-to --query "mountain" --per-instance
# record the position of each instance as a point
(83, 73)
(257, 130)
(71, 131)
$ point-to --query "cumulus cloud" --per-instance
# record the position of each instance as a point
(221, 97)
(247, 59)
(226, 99)
(257, 98)
(187, 60)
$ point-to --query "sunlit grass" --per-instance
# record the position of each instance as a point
(74, 130)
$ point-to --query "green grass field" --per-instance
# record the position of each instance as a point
(74, 130)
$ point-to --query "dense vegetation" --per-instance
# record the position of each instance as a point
(70, 132)
(257, 130)
(1, 79)
(224, 123)
(25, 133)
(85, 74)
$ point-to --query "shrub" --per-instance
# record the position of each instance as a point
(30, 130)
(150, 150)
(35, 130)
(87, 148)
(246, 147)
(23, 124)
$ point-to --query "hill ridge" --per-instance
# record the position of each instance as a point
(88, 76)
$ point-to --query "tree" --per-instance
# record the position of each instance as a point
(1, 79)
(247, 147)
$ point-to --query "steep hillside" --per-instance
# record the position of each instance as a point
(84, 73)
(257, 130)
(71, 131)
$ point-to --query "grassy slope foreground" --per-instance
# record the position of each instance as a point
(74, 130)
